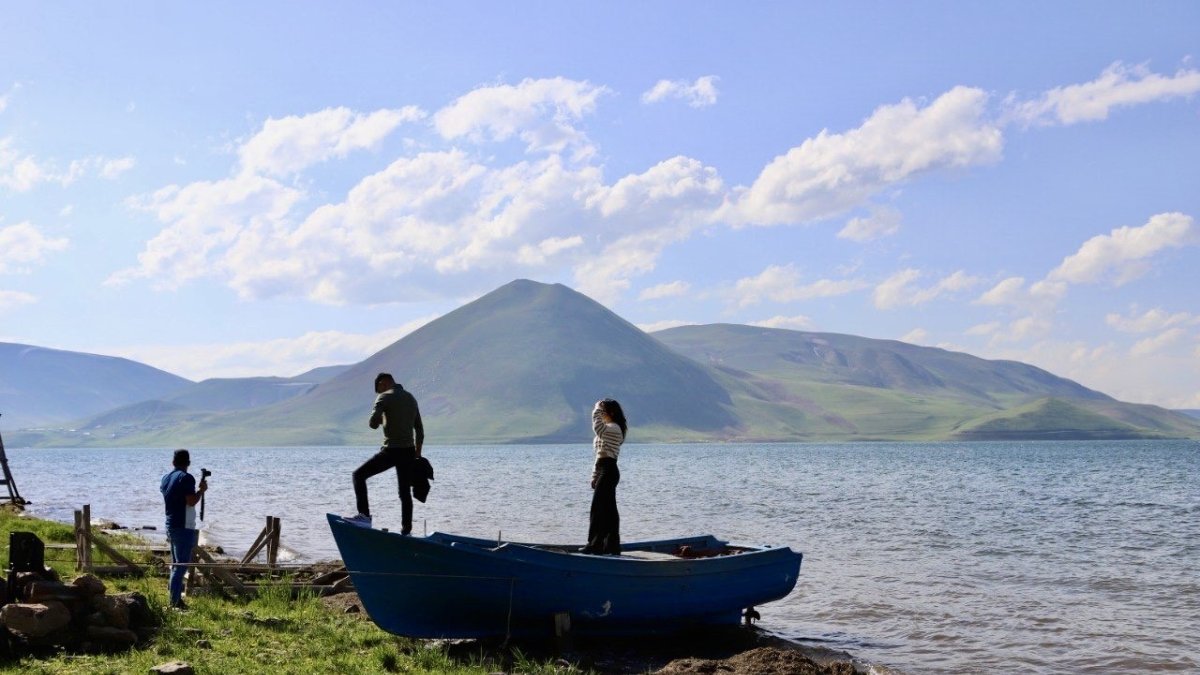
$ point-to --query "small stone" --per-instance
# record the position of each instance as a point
(353, 609)
(203, 644)
(174, 668)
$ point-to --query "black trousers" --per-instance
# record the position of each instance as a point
(403, 460)
(604, 528)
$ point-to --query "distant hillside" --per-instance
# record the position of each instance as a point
(1047, 419)
(223, 394)
(793, 385)
(1190, 413)
(40, 386)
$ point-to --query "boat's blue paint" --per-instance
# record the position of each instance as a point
(447, 586)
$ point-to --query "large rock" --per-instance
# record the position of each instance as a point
(112, 637)
(113, 610)
(35, 620)
(173, 668)
(140, 614)
(41, 590)
(89, 585)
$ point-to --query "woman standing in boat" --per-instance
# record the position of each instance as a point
(604, 529)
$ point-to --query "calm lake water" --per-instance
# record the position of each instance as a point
(981, 557)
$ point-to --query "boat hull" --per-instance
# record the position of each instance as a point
(443, 586)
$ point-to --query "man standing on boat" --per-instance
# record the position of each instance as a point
(180, 496)
(403, 435)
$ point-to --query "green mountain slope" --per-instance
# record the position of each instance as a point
(40, 386)
(792, 384)
(1049, 419)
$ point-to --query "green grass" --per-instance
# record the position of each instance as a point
(270, 633)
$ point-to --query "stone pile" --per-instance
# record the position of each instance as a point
(45, 612)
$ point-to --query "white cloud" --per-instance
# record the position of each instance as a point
(916, 336)
(67, 211)
(280, 357)
(663, 325)
(1010, 291)
(111, 168)
(781, 283)
(10, 299)
(897, 290)
(6, 96)
(546, 249)
(24, 244)
(1124, 253)
(798, 322)
(1159, 342)
(1029, 327)
(831, 173)
(1118, 86)
(1152, 320)
(699, 94)
(672, 289)
(882, 222)
(984, 328)
(19, 172)
(543, 113)
(22, 172)
(293, 143)
(642, 214)
(203, 220)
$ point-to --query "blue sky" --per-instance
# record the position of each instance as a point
(230, 189)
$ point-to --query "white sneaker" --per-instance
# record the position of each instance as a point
(359, 520)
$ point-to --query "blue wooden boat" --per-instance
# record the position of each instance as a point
(448, 586)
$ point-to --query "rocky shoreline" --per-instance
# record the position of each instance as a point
(732, 651)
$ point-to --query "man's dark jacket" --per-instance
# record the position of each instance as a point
(422, 474)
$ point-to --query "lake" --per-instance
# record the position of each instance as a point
(944, 557)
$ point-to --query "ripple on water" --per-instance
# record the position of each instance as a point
(927, 558)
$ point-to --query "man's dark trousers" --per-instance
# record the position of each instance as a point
(403, 460)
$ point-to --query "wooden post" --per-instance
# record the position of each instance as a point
(273, 552)
(78, 540)
(87, 537)
(264, 540)
(220, 571)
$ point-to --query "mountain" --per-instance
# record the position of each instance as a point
(1193, 413)
(796, 385)
(525, 363)
(240, 393)
(40, 386)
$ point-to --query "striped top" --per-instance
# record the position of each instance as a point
(608, 438)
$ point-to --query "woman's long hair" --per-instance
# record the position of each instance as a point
(613, 409)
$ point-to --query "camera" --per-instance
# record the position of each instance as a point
(204, 473)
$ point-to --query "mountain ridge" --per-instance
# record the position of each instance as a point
(524, 363)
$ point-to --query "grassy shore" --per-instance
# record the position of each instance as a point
(268, 633)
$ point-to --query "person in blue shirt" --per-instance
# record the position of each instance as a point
(180, 496)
